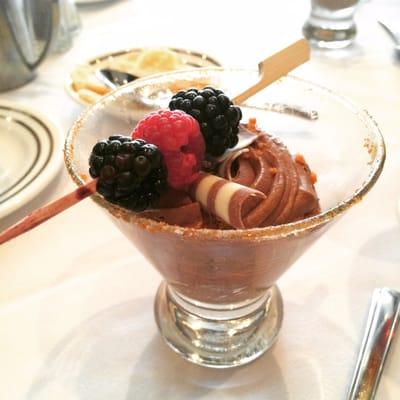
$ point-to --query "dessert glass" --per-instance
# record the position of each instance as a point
(219, 305)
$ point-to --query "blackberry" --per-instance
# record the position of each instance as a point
(218, 117)
(131, 173)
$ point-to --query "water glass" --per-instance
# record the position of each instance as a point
(70, 25)
(331, 23)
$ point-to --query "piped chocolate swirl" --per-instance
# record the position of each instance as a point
(286, 181)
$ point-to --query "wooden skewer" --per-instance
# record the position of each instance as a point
(271, 69)
(276, 66)
(48, 211)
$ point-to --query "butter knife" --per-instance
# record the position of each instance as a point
(381, 327)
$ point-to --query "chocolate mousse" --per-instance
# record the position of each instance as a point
(203, 169)
(286, 181)
(196, 165)
(258, 186)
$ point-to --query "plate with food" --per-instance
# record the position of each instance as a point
(86, 88)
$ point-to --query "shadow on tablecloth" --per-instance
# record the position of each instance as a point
(118, 354)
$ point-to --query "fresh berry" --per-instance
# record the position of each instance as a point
(130, 173)
(218, 117)
(179, 139)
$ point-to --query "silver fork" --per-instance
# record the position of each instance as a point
(381, 327)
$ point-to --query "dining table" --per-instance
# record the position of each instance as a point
(76, 297)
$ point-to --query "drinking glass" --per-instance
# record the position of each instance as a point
(219, 305)
(331, 23)
(70, 25)
(26, 33)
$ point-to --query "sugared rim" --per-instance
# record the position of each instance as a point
(271, 232)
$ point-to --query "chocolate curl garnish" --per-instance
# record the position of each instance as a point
(227, 200)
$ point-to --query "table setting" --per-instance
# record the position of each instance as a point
(171, 282)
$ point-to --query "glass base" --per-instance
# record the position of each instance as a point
(328, 38)
(218, 336)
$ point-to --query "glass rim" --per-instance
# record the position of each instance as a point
(264, 233)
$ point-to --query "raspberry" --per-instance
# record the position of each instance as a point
(178, 137)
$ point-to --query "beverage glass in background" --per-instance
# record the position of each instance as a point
(27, 30)
(331, 23)
(70, 25)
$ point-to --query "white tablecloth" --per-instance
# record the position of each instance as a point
(76, 318)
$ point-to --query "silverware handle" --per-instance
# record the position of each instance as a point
(381, 326)
(283, 108)
(391, 34)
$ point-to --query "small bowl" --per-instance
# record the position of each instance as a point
(219, 305)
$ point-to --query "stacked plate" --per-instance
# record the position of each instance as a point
(31, 155)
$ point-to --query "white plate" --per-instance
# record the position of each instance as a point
(31, 154)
